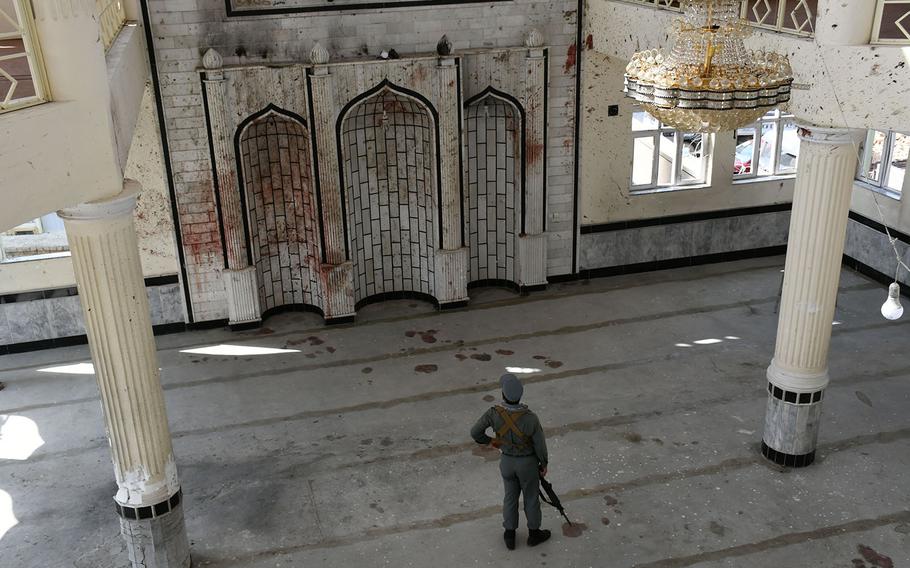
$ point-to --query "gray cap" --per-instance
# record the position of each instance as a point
(511, 387)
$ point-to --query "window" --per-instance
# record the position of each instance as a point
(793, 16)
(892, 22)
(39, 238)
(665, 157)
(884, 160)
(112, 15)
(770, 147)
(21, 72)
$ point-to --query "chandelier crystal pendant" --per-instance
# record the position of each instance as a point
(709, 81)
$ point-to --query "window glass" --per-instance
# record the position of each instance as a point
(642, 157)
(875, 145)
(897, 164)
(667, 158)
(770, 147)
(43, 237)
(643, 121)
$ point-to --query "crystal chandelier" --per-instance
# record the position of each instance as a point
(708, 82)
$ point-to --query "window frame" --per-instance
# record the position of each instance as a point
(808, 29)
(676, 171)
(877, 26)
(28, 33)
(865, 161)
(781, 118)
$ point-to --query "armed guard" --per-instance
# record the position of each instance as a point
(520, 438)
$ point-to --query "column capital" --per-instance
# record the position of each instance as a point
(827, 135)
(112, 207)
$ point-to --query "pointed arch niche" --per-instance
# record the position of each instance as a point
(389, 144)
(495, 203)
(279, 202)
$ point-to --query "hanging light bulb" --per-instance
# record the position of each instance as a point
(892, 308)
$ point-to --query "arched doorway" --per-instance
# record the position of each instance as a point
(494, 125)
(388, 146)
(274, 152)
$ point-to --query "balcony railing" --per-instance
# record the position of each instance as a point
(892, 22)
(787, 16)
(22, 79)
(112, 15)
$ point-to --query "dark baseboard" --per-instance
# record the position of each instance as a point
(872, 273)
(245, 326)
(453, 306)
(687, 218)
(588, 273)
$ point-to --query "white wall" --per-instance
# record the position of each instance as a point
(855, 86)
(154, 222)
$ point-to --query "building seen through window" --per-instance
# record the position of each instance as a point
(663, 157)
(884, 161)
(770, 147)
(36, 239)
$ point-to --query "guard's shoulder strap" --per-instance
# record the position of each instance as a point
(508, 419)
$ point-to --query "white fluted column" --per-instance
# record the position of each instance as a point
(240, 283)
(451, 276)
(112, 292)
(337, 271)
(532, 242)
(798, 374)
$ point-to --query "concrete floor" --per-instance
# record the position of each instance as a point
(354, 451)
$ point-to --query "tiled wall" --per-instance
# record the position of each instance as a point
(182, 30)
(622, 247)
(870, 247)
(493, 129)
(275, 153)
(56, 314)
(389, 154)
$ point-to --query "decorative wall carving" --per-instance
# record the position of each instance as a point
(391, 184)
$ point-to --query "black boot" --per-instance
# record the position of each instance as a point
(509, 537)
(537, 536)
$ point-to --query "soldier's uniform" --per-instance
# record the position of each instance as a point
(524, 452)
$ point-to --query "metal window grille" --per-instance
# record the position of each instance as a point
(892, 22)
(787, 16)
(22, 79)
(112, 15)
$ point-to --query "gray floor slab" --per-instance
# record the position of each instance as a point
(352, 450)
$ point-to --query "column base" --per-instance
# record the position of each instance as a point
(157, 537)
(792, 422)
(338, 297)
(451, 279)
(242, 290)
(532, 261)
(787, 460)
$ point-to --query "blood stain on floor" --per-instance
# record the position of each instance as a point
(481, 357)
(504, 352)
(489, 398)
(426, 369)
(574, 530)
